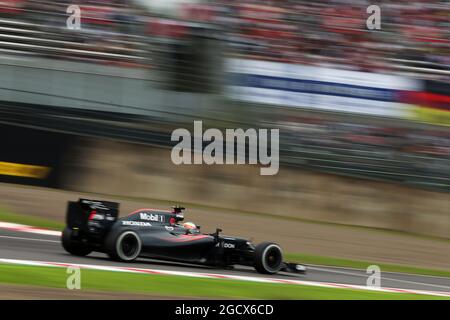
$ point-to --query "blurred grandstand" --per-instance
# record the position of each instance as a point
(414, 42)
(414, 38)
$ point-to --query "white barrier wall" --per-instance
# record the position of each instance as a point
(319, 88)
(92, 86)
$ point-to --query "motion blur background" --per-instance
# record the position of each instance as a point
(363, 114)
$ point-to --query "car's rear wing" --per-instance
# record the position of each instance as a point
(93, 216)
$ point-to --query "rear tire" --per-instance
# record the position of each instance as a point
(268, 258)
(123, 245)
(73, 247)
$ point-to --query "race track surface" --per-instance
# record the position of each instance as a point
(26, 246)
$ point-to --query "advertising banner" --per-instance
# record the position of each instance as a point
(319, 88)
(30, 156)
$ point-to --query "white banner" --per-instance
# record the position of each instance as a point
(319, 88)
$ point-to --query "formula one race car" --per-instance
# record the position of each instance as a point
(94, 226)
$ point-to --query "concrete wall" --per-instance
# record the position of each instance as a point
(94, 86)
(139, 171)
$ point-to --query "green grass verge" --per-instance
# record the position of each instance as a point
(177, 286)
(6, 216)
(339, 262)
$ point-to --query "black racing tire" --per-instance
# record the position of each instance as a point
(73, 247)
(123, 245)
(268, 258)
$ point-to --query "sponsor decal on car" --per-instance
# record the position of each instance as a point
(136, 223)
(151, 217)
(226, 245)
(169, 228)
(95, 204)
(97, 216)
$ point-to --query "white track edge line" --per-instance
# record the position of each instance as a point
(24, 228)
(29, 239)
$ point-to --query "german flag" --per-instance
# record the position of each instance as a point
(432, 105)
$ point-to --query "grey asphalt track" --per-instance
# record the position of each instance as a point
(27, 246)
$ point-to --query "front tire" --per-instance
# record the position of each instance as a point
(73, 247)
(123, 245)
(268, 258)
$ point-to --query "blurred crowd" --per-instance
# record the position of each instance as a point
(334, 32)
(108, 32)
(414, 35)
(381, 151)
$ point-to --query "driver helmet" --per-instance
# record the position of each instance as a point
(189, 225)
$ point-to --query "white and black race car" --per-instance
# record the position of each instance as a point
(94, 225)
